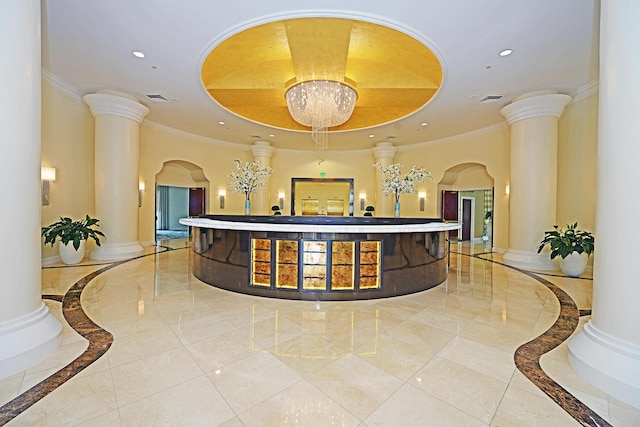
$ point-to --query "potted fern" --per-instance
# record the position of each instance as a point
(72, 237)
(572, 245)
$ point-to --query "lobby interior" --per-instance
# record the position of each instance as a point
(144, 342)
(186, 353)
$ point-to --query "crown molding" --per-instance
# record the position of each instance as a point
(205, 139)
(61, 85)
(455, 138)
(586, 90)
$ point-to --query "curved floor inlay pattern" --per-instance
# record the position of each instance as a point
(99, 342)
(527, 356)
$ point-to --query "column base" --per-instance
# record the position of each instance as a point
(116, 251)
(28, 340)
(529, 260)
(607, 363)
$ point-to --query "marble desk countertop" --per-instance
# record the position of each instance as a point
(319, 225)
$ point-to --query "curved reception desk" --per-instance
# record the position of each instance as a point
(319, 258)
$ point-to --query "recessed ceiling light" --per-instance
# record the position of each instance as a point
(138, 54)
(506, 52)
(371, 136)
(271, 135)
(424, 124)
(220, 122)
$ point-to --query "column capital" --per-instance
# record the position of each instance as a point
(262, 149)
(384, 150)
(546, 105)
(109, 104)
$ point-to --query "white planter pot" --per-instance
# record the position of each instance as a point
(574, 264)
(68, 253)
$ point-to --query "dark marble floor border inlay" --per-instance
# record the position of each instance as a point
(527, 356)
(99, 342)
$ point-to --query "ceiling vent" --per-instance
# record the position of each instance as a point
(489, 99)
(156, 97)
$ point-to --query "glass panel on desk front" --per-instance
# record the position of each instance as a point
(315, 246)
(342, 265)
(261, 262)
(370, 265)
(314, 271)
(287, 264)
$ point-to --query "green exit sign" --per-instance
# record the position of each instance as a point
(323, 174)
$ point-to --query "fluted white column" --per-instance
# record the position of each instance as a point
(533, 176)
(383, 152)
(606, 353)
(262, 151)
(117, 131)
(29, 333)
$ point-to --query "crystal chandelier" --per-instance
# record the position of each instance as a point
(321, 104)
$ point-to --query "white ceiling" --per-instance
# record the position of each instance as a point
(88, 45)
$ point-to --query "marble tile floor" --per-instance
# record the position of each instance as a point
(152, 345)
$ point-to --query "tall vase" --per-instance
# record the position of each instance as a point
(247, 207)
(396, 210)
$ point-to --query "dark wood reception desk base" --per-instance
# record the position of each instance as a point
(319, 258)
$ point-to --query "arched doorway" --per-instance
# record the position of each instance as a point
(181, 190)
(466, 196)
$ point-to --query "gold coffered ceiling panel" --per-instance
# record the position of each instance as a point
(394, 74)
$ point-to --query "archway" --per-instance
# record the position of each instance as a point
(181, 190)
(466, 191)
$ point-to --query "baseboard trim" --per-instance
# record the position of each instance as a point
(50, 260)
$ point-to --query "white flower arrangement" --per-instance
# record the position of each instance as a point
(394, 183)
(246, 179)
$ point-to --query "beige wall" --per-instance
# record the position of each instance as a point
(489, 148)
(67, 145)
(175, 175)
(577, 156)
(289, 164)
(158, 146)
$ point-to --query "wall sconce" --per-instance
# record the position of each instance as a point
(507, 190)
(46, 176)
(281, 200)
(363, 197)
(221, 194)
(422, 195)
(141, 188)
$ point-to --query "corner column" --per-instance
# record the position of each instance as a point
(606, 353)
(533, 175)
(262, 151)
(117, 147)
(29, 333)
(383, 152)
